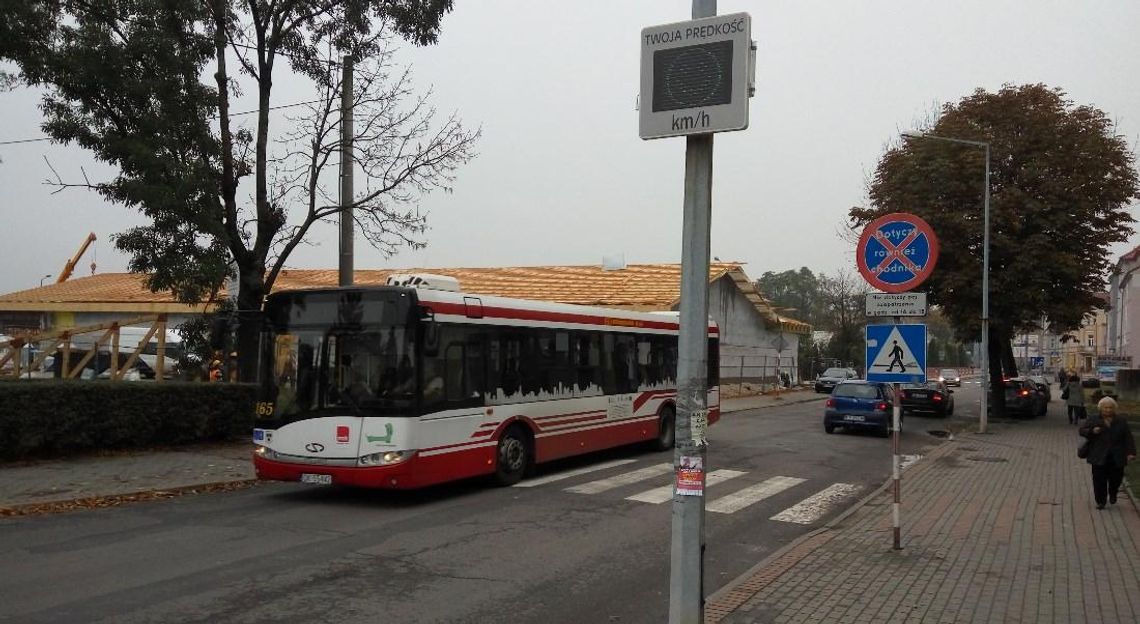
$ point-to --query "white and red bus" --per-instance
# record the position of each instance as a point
(403, 387)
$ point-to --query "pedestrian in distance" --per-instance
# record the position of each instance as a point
(1110, 448)
(1074, 399)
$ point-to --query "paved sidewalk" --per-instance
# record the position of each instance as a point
(784, 397)
(91, 480)
(996, 528)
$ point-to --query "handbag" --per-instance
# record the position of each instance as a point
(1083, 450)
(1065, 394)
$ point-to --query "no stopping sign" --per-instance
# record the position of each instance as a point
(897, 252)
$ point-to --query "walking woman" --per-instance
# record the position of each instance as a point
(1111, 447)
(1074, 399)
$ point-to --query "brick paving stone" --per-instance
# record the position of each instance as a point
(996, 528)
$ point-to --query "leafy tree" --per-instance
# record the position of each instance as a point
(151, 86)
(843, 309)
(1060, 183)
(795, 292)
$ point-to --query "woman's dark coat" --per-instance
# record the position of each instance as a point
(1115, 441)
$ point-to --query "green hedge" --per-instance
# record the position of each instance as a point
(52, 418)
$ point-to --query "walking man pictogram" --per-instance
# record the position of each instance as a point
(896, 358)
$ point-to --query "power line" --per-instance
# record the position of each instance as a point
(248, 112)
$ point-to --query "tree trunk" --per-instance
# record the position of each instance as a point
(1009, 363)
(251, 294)
(997, 395)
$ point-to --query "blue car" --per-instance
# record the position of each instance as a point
(860, 405)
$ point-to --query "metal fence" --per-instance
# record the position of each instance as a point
(766, 371)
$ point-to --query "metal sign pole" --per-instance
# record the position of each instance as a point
(686, 591)
(896, 477)
(686, 573)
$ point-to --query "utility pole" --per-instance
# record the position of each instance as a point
(346, 160)
(686, 584)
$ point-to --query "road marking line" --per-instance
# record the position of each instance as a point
(906, 461)
(558, 476)
(815, 506)
(603, 485)
(752, 494)
(665, 493)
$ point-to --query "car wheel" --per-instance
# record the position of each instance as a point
(829, 428)
(512, 457)
(666, 429)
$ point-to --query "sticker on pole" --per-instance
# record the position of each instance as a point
(896, 353)
(699, 425)
(897, 252)
(691, 476)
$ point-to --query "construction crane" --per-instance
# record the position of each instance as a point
(70, 266)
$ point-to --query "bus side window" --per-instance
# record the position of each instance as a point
(453, 365)
(714, 363)
(475, 366)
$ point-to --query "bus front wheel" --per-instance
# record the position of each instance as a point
(666, 429)
(512, 456)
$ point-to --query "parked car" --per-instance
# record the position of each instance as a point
(860, 405)
(951, 376)
(1023, 399)
(932, 397)
(832, 376)
(1043, 386)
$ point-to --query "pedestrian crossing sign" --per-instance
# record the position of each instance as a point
(896, 353)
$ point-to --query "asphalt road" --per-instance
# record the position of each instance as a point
(567, 550)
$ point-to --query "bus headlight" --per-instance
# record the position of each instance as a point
(386, 458)
(265, 452)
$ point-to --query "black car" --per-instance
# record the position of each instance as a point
(1023, 399)
(832, 376)
(1043, 386)
(932, 397)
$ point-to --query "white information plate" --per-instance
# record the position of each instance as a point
(319, 479)
(699, 426)
(902, 304)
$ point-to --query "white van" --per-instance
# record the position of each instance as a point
(129, 339)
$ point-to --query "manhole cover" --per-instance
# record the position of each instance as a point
(985, 458)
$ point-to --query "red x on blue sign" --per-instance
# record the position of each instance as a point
(897, 252)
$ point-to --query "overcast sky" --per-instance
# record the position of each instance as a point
(562, 177)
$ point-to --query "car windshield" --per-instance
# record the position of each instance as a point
(950, 372)
(858, 391)
(834, 372)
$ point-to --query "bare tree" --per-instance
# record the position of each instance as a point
(400, 153)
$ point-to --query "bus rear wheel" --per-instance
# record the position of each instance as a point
(666, 429)
(512, 456)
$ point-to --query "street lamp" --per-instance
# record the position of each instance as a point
(44, 278)
(982, 420)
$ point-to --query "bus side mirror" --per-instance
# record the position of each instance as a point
(431, 333)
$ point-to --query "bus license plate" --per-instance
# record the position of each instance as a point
(319, 479)
(853, 418)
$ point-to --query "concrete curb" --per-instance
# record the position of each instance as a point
(114, 500)
(741, 589)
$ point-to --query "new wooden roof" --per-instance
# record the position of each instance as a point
(636, 287)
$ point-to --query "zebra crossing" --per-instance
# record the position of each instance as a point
(727, 491)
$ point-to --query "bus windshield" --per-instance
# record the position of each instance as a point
(363, 366)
